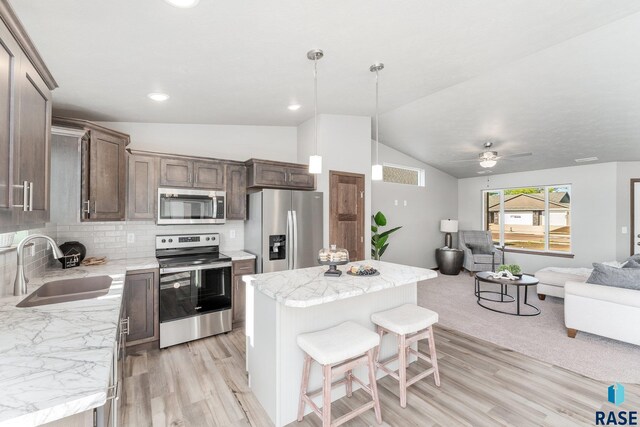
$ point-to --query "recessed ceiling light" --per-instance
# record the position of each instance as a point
(158, 97)
(294, 107)
(184, 4)
(586, 159)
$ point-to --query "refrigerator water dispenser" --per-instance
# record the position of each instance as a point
(277, 247)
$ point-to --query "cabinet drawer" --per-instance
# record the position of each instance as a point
(246, 266)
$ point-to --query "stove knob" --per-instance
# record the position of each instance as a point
(164, 240)
(208, 238)
(170, 240)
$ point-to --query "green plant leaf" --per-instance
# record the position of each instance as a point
(381, 241)
(386, 233)
(380, 219)
(383, 249)
(374, 229)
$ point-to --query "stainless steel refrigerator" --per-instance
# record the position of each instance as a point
(284, 229)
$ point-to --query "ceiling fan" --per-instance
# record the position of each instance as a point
(489, 158)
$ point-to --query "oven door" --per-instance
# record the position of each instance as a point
(194, 290)
(181, 206)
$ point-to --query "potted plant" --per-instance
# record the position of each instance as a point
(511, 268)
(379, 240)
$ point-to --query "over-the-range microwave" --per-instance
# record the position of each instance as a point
(190, 206)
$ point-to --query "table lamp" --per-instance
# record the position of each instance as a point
(448, 226)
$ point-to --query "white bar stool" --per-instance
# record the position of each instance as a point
(339, 350)
(410, 324)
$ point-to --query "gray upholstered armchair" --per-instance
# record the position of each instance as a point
(486, 257)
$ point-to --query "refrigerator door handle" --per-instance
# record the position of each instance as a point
(289, 238)
(295, 240)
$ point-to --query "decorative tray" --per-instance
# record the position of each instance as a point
(362, 271)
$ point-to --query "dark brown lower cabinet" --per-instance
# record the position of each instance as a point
(240, 268)
(141, 303)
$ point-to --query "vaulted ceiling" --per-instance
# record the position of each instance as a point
(557, 78)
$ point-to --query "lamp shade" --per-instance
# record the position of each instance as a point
(449, 225)
(376, 173)
(315, 164)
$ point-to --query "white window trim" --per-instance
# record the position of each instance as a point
(547, 224)
(421, 172)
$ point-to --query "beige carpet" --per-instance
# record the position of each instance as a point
(542, 337)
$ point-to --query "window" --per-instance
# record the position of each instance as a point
(403, 175)
(529, 218)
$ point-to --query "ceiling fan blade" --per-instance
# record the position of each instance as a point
(462, 161)
(515, 155)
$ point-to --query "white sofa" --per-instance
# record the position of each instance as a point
(553, 279)
(602, 310)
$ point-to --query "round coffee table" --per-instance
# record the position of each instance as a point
(503, 296)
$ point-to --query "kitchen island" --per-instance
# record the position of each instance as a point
(284, 304)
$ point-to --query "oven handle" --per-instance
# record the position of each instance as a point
(216, 266)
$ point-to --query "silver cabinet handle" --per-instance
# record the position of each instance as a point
(25, 196)
(31, 197)
(113, 392)
(86, 210)
(124, 326)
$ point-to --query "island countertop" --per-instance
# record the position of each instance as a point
(307, 287)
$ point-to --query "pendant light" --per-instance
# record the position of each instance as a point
(376, 169)
(315, 161)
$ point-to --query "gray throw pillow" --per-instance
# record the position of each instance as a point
(480, 249)
(631, 263)
(617, 277)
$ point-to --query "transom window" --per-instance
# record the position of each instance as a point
(403, 175)
(529, 218)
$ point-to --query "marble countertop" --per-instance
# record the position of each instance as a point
(55, 360)
(309, 286)
(239, 255)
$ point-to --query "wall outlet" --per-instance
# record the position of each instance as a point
(395, 202)
(131, 238)
(232, 234)
(405, 203)
(623, 230)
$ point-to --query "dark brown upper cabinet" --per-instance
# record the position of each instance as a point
(142, 187)
(178, 172)
(269, 174)
(236, 191)
(104, 170)
(25, 127)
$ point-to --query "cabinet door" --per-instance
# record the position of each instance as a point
(176, 173)
(107, 175)
(33, 142)
(142, 187)
(267, 174)
(300, 178)
(236, 191)
(209, 175)
(238, 299)
(141, 306)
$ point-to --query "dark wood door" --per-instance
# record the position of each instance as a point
(238, 297)
(9, 62)
(301, 178)
(142, 187)
(107, 176)
(346, 212)
(209, 175)
(236, 191)
(33, 137)
(176, 172)
(141, 305)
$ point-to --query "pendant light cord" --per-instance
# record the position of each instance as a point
(377, 126)
(315, 100)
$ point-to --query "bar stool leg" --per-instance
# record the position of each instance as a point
(402, 369)
(433, 357)
(349, 384)
(381, 333)
(304, 385)
(371, 355)
(326, 396)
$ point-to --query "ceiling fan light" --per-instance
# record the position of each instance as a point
(488, 163)
(315, 164)
(376, 173)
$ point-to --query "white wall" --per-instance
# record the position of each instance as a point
(625, 172)
(415, 243)
(344, 142)
(593, 211)
(219, 141)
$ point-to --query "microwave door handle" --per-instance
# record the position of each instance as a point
(295, 240)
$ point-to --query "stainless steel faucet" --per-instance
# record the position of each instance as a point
(20, 285)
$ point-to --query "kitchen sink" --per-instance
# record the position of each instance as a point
(68, 290)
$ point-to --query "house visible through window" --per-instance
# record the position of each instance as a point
(403, 175)
(530, 218)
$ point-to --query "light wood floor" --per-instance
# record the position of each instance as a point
(203, 383)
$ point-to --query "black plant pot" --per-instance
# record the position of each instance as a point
(73, 249)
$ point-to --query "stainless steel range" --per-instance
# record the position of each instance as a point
(195, 287)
